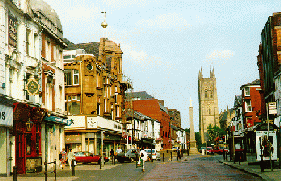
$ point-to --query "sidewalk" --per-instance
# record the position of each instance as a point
(61, 175)
(254, 169)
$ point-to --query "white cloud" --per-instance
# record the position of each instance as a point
(164, 21)
(218, 55)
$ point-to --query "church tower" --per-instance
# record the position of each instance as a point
(208, 103)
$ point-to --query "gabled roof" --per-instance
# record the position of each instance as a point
(238, 100)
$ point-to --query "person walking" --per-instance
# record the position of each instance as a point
(112, 154)
(63, 158)
(70, 157)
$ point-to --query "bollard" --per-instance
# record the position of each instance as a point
(261, 164)
(163, 157)
(55, 162)
(72, 166)
(46, 176)
(171, 156)
(15, 173)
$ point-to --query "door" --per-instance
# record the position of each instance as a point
(20, 153)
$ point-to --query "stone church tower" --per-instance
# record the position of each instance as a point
(208, 103)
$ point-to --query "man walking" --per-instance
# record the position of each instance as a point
(71, 157)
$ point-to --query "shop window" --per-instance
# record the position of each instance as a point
(33, 141)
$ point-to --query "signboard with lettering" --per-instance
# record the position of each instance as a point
(272, 109)
(12, 30)
(6, 115)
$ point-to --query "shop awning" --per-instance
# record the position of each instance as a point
(58, 120)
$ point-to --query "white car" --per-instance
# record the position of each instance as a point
(148, 151)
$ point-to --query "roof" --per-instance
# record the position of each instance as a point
(238, 100)
(43, 7)
(142, 95)
(255, 82)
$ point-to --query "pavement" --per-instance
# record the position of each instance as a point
(253, 167)
(66, 174)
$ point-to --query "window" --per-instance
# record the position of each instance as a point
(28, 41)
(75, 77)
(66, 56)
(71, 75)
(211, 94)
(67, 77)
(247, 91)
(248, 106)
(73, 108)
(98, 108)
(206, 94)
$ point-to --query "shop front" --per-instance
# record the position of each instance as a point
(27, 121)
(6, 125)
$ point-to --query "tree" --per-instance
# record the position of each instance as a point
(198, 139)
(187, 130)
(215, 132)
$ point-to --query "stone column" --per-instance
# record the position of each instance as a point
(192, 141)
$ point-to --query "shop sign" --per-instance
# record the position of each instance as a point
(6, 115)
(12, 30)
(32, 86)
(73, 139)
(272, 109)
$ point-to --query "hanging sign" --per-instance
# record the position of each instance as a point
(32, 86)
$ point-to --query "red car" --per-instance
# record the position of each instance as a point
(87, 157)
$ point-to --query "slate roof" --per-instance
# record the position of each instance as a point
(255, 82)
(142, 95)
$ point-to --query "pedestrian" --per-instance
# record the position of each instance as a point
(178, 153)
(63, 158)
(119, 150)
(112, 154)
(223, 153)
(70, 157)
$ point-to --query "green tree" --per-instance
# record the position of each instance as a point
(198, 139)
(214, 132)
(187, 130)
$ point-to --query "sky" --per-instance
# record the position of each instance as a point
(166, 42)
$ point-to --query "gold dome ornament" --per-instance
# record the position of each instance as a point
(104, 24)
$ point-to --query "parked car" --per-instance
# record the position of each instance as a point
(131, 155)
(148, 151)
(87, 157)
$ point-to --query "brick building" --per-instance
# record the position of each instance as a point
(154, 109)
(251, 104)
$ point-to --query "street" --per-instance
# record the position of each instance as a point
(193, 167)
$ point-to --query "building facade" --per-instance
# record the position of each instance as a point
(94, 100)
(154, 109)
(208, 103)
